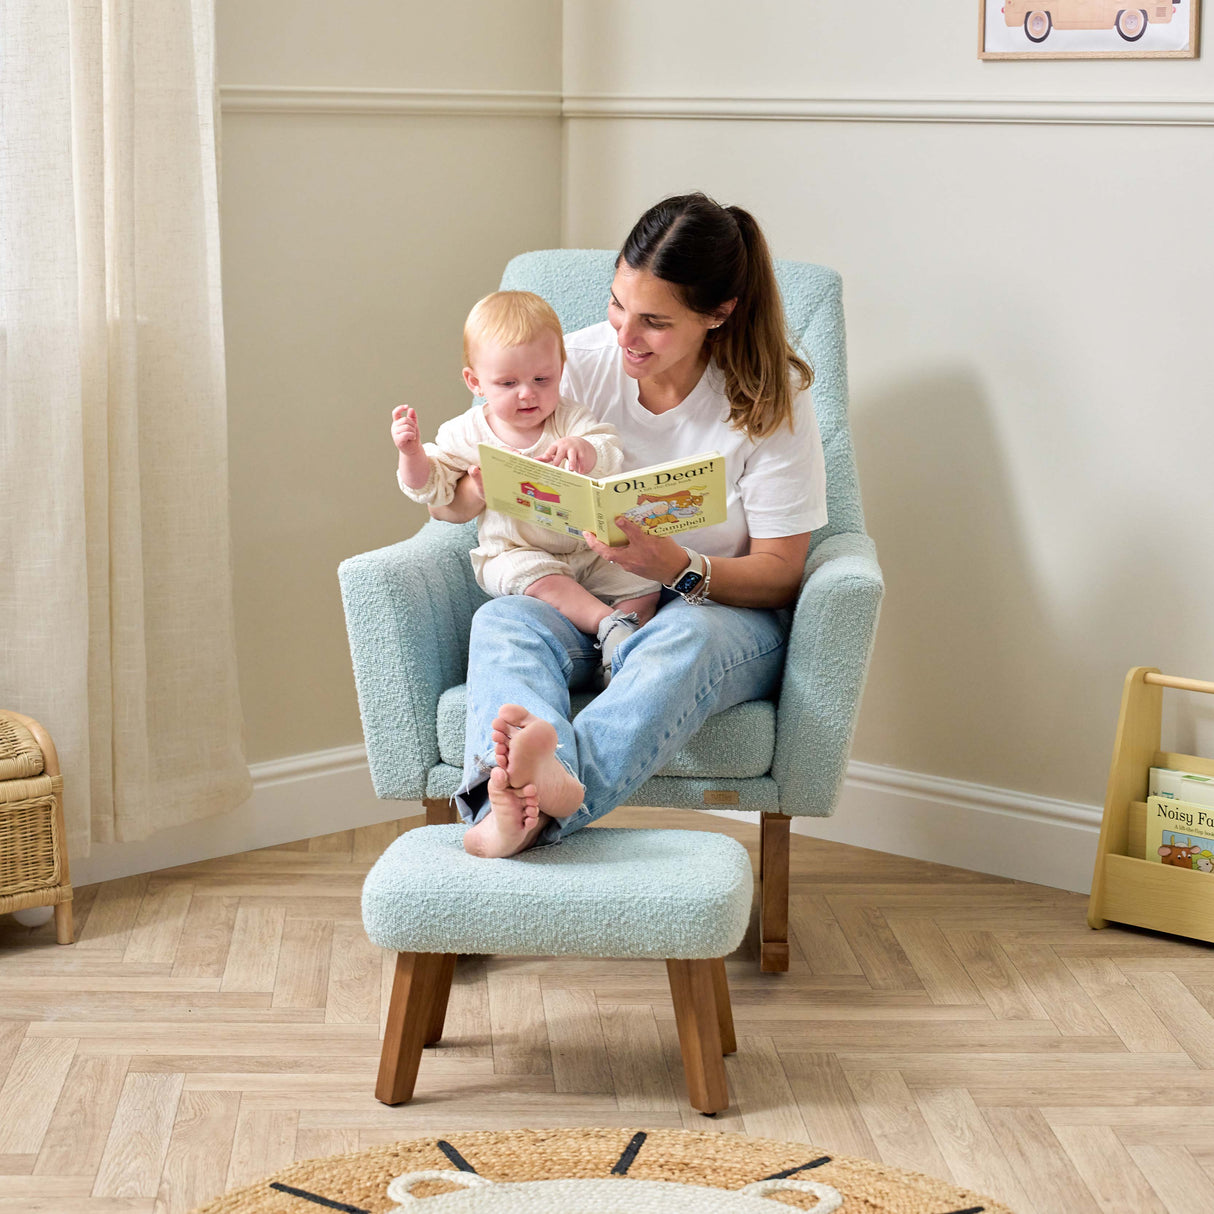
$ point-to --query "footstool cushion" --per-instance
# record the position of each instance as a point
(603, 892)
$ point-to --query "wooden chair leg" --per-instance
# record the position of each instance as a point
(696, 1013)
(65, 931)
(773, 893)
(440, 812)
(410, 1019)
(720, 990)
(442, 992)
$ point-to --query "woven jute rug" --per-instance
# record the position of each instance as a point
(598, 1172)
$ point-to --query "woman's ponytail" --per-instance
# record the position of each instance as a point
(712, 254)
(752, 348)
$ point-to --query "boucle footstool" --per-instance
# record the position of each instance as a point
(678, 895)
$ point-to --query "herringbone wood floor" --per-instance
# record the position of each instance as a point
(216, 1021)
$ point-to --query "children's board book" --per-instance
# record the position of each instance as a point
(664, 499)
(1181, 786)
(1180, 833)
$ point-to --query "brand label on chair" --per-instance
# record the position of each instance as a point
(720, 796)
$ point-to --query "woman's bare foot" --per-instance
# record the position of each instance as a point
(525, 745)
(512, 824)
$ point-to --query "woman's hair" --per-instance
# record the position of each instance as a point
(711, 254)
(510, 318)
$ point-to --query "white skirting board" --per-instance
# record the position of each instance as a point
(989, 830)
(295, 798)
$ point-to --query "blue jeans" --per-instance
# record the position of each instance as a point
(667, 678)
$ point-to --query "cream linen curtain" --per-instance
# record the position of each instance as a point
(116, 623)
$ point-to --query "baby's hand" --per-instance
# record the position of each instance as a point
(580, 454)
(405, 433)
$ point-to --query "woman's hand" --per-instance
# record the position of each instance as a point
(648, 556)
(580, 454)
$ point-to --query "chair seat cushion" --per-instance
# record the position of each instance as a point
(737, 744)
(603, 892)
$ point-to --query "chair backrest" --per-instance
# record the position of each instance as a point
(576, 282)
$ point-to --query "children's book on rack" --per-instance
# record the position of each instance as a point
(664, 499)
(1181, 786)
(1180, 833)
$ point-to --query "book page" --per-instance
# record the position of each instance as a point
(537, 493)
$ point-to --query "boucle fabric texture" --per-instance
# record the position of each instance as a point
(604, 892)
(409, 606)
(756, 794)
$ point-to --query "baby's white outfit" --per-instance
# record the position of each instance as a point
(510, 555)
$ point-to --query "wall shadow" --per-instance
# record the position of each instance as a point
(974, 678)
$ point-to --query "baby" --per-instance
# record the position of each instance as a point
(515, 355)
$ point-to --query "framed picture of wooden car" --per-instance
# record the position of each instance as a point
(1088, 29)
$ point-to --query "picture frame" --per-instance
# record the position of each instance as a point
(1088, 29)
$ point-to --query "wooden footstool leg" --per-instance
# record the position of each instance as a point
(773, 893)
(442, 992)
(720, 990)
(410, 1022)
(693, 989)
(440, 812)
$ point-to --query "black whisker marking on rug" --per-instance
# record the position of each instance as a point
(813, 1163)
(317, 1199)
(630, 1153)
(455, 1157)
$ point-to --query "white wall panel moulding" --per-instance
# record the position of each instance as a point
(277, 99)
(896, 109)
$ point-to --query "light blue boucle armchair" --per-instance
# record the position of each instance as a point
(409, 608)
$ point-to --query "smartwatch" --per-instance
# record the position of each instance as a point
(688, 580)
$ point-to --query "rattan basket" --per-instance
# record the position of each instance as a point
(33, 855)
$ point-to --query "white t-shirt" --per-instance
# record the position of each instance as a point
(776, 485)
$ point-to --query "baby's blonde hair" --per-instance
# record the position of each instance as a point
(510, 318)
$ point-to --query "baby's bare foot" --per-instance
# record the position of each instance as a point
(530, 746)
(512, 824)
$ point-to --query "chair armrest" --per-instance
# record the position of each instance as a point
(408, 613)
(829, 649)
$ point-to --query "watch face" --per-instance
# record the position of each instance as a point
(688, 582)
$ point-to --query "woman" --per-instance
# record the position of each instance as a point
(694, 356)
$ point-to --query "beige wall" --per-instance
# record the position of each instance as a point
(353, 245)
(1028, 311)
(794, 48)
(1027, 307)
(454, 44)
